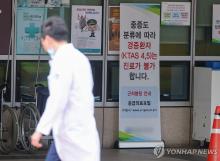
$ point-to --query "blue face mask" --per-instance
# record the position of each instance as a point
(51, 52)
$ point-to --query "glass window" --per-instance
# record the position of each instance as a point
(86, 2)
(174, 75)
(97, 78)
(171, 44)
(174, 81)
(113, 81)
(28, 42)
(3, 67)
(204, 45)
(117, 2)
(33, 29)
(26, 73)
(215, 65)
(114, 30)
(204, 12)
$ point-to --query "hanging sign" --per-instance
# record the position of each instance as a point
(86, 28)
(216, 24)
(139, 101)
(175, 13)
(28, 30)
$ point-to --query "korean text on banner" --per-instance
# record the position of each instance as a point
(139, 102)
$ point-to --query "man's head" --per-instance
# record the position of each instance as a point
(53, 31)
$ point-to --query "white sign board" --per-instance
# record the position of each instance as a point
(139, 101)
(86, 28)
(175, 13)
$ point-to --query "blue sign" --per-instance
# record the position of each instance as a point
(29, 21)
(32, 30)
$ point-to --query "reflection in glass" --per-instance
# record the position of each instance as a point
(114, 30)
(172, 44)
(26, 77)
(204, 45)
(97, 78)
(174, 81)
(113, 81)
(3, 67)
(27, 72)
(215, 65)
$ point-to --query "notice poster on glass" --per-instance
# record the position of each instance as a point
(139, 83)
(114, 30)
(31, 3)
(216, 24)
(28, 26)
(53, 3)
(175, 13)
(39, 3)
(86, 28)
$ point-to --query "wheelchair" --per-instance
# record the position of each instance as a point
(31, 110)
(9, 126)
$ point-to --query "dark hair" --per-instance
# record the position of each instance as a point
(56, 28)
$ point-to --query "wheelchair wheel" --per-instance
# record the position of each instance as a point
(29, 118)
(9, 130)
(33, 106)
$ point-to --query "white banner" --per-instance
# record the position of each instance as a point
(86, 28)
(28, 30)
(216, 24)
(139, 101)
(175, 13)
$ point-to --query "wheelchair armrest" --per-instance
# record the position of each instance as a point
(27, 98)
(38, 85)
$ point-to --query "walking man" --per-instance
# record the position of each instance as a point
(69, 111)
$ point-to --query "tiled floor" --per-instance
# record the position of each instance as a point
(111, 155)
